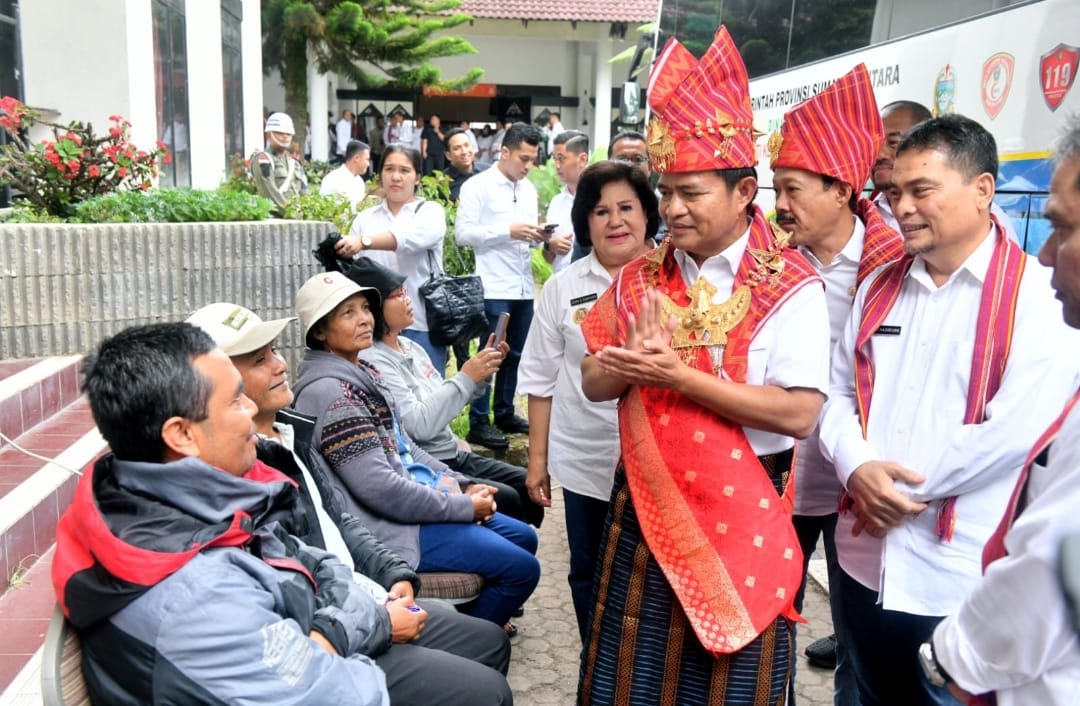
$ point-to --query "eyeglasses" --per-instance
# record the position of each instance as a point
(632, 159)
(398, 294)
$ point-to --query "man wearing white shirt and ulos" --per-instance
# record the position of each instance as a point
(952, 363)
(571, 157)
(497, 214)
(348, 179)
(1011, 639)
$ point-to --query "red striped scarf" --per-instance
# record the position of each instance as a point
(881, 244)
(993, 339)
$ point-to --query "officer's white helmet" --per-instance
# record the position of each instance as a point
(280, 122)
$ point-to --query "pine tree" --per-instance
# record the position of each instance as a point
(372, 43)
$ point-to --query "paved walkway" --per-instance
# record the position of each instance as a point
(544, 668)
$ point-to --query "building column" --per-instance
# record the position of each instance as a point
(602, 131)
(206, 108)
(585, 121)
(251, 65)
(318, 104)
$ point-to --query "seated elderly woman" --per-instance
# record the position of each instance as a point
(426, 402)
(430, 516)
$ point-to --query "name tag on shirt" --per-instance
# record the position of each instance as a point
(887, 331)
(578, 301)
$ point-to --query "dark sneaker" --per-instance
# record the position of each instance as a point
(822, 653)
(484, 434)
(512, 424)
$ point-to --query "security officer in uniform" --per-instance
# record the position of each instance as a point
(277, 175)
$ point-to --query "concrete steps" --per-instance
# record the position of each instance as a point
(48, 439)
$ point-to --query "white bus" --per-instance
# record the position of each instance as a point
(1013, 70)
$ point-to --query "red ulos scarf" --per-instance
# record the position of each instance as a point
(993, 339)
(881, 244)
(707, 509)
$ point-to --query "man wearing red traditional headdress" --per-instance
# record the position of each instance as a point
(952, 363)
(821, 158)
(717, 344)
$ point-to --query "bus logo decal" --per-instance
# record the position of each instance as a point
(1057, 71)
(997, 76)
(945, 91)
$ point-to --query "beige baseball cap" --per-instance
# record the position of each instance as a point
(236, 329)
(324, 291)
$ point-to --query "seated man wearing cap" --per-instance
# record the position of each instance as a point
(453, 659)
(172, 562)
(820, 159)
(716, 344)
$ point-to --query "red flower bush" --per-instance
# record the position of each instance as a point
(56, 174)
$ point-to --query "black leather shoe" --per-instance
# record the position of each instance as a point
(513, 424)
(484, 434)
(822, 653)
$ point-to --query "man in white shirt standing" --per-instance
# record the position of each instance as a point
(1012, 636)
(554, 129)
(820, 159)
(343, 133)
(571, 157)
(348, 179)
(959, 347)
(497, 215)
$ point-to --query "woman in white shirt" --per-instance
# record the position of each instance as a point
(404, 233)
(571, 438)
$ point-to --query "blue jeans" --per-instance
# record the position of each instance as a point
(521, 313)
(809, 528)
(584, 528)
(436, 353)
(501, 550)
(883, 646)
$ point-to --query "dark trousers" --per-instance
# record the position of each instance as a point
(883, 646)
(521, 313)
(584, 530)
(457, 661)
(809, 528)
(513, 497)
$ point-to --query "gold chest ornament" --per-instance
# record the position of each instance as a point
(702, 323)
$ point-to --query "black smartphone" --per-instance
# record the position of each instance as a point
(500, 328)
(549, 230)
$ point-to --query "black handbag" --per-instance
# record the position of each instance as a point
(454, 306)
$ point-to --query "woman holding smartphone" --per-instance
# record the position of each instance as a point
(427, 403)
(432, 517)
(570, 438)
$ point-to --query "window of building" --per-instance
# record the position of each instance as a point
(171, 81)
(10, 78)
(232, 76)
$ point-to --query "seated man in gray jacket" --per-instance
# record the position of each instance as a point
(455, 659)
(174, 563)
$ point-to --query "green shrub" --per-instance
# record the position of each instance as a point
(314, 206)
(172, 206)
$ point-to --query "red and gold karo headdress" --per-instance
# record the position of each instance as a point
(702, 116)
(837, 133)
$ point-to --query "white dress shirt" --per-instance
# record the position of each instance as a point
(1012, 633)
(343, 133)
(817, 489)
(487, 205)
(342, 181)
(916, 419)
(791, 349)
(559, 213)
(583, 436)
(419, 227)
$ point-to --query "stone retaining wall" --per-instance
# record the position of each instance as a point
(65, 287)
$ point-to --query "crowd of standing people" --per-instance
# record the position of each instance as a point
(715, 391)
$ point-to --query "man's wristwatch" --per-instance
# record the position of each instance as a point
(935, 673)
